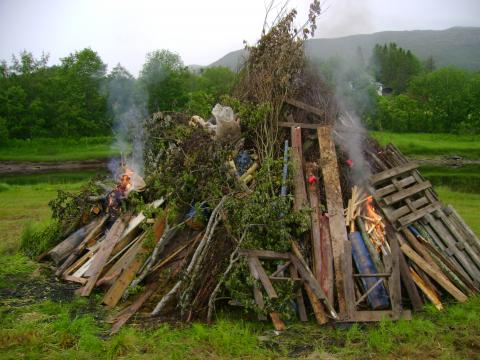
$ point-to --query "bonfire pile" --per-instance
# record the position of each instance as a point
(222, 217)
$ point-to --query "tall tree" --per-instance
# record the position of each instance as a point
(394, 67)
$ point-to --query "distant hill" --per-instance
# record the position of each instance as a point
(458, 46)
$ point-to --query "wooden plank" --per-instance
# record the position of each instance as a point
(315, 223)
(300, 193)
(429, 293)
(302, 312)
(409, 180)
(327, 280)
(257, 271)
(257, 295)
(439, 277)
(394, 283)
(387, 174)
(402, 194)
(306, 274)
(65, 248)
(264, 254)
(278, 324)
(318, 310)
(301, 105)
(101, 257)
(418, 214)
(292, 124)
(333, 193)
(92, 235)
(128, 312)
(451, 265)
(76, 279)
(115, 292)
(412, 291)
(379, 315)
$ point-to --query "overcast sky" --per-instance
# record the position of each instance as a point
(200, 31)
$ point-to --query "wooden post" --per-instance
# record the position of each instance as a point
(338, 231)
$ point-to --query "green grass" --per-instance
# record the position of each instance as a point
(432, 145)
(59, 149)
(34, 328)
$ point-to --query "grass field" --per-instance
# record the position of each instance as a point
(416, 145)
(432, 145)
(34, 324)
(59, 149)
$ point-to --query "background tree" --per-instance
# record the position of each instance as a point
(394, 67)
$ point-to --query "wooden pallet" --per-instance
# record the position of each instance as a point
(402, 196)
(405, 198)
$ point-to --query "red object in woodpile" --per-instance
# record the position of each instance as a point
(312, 179)
(349, 162)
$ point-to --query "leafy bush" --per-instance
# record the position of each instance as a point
(39, 237)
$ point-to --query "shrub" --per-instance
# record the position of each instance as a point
(39, 237)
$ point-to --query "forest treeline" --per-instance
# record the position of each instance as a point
(416, 96)
(78, 97)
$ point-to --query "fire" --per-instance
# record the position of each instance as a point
(374, 226)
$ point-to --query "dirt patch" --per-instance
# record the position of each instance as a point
(27, 291)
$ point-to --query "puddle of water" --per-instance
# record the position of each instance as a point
(462, 179)
(57, 177)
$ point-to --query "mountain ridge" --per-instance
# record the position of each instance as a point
(456, 46)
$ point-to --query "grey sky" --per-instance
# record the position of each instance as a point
(200, 31)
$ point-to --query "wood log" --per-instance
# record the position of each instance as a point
(65, 248)
(103, 254)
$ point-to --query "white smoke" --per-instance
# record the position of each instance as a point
(128, 107)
